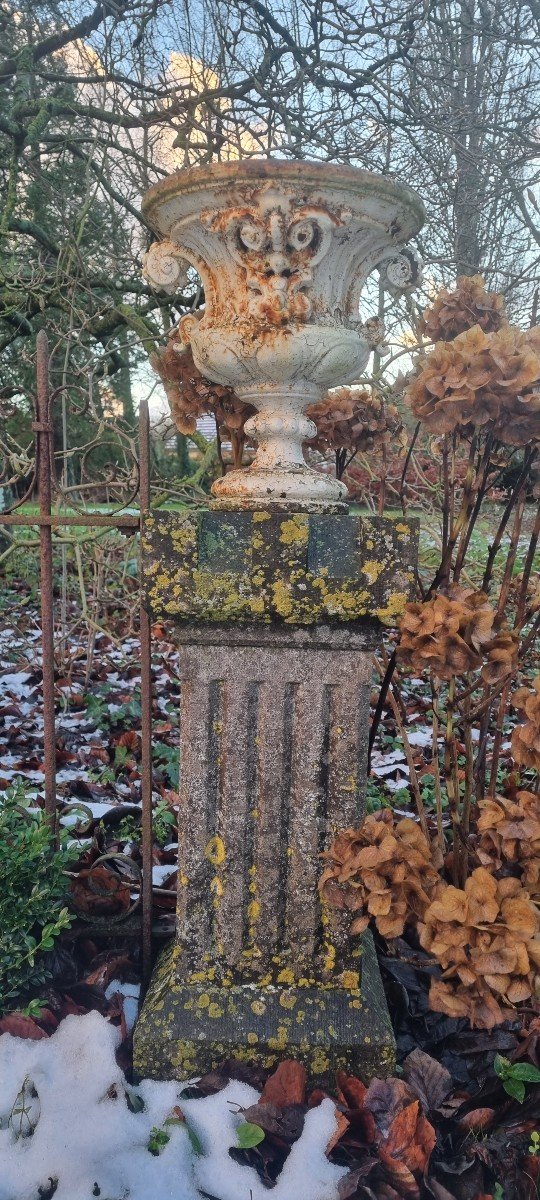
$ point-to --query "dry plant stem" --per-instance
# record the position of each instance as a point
(406, 468)
(446, 494)
(527, 568)
(96, 597)
(511, 556)
(531, 636)
(495, 545)
(498, 737)
(479, 487)
(481, 756)
(381, 701)
(435, 765)
(220, 451)
(382, 483)
(415, 787)
(468, 790)
(341, 462)
(85, 615)
(395, 685)
(452, 782)
(467, 502)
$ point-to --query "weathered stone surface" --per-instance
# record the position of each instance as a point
(261, 566)
(187, 1028)
(284, 250)
(273, 745)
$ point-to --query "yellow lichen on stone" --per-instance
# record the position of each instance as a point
(286, 976)
(329, 960)
(295, 531)
(282, 598)
(320, 1062)
(372, 568)
(394, 607)
(350, 980)
(215, 850)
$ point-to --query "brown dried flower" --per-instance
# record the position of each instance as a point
(519, 423)
(502, 656)
(485, 936)
(508, 831)
(190, 395)
(481, 379)
(526, 737)
(355, 419)
(443, 394)
(468, 304)
(446, 633)
(382, 870)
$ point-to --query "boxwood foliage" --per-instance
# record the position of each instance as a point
(33, 892)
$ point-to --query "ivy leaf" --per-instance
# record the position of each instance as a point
(196, 1143)
(134, 1102)
(501, 1065)
(250, 1135)
(523, 1070)
(515, 1088)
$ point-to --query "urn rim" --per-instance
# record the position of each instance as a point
(355, 180)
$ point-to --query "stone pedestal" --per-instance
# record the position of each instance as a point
(273, 740)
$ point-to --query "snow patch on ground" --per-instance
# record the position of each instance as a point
(64, 1115)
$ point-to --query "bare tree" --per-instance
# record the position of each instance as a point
(100, 100)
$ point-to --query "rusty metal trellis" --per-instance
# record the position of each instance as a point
(41, 486)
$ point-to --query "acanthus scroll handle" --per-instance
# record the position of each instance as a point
(165, 267)
(402, 272)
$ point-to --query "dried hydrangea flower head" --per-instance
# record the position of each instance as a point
(190, 395)
(482, 372)
(502, 656)
(382, 871)
(526, 737)
(455, 310)
(447, 634)
(485, 936)
(443, 393)
(354, 418)
(508, 832)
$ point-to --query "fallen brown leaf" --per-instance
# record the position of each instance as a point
(287, 1085)
(21, 1027)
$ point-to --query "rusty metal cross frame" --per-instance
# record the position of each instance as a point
(41, 487)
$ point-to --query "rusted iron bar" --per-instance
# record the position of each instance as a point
(126, 521)
(43, 431)
(146, 712)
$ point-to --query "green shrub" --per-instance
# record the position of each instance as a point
(33, 892)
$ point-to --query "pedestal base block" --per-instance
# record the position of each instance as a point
(187, 1029)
